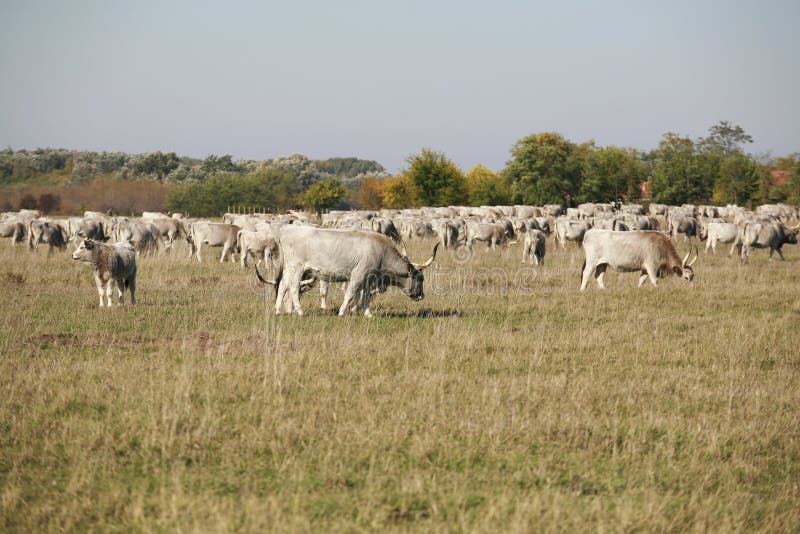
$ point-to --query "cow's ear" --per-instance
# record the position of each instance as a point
(89, 244)
(678, 271)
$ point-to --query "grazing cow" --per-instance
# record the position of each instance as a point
(12, 228)
(544, 225)
(112, 265)
(46, 232)
(492, 234)
(143, 235)
(681, 223)
(534, 246)
(447, 231)
(214, 235)
(651, 253)
(719, 232)
(569, 230)
(261, 245)
(92, 228)
(169, 229)
(365, 260)
(772, 235)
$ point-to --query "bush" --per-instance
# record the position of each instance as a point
(49, 203)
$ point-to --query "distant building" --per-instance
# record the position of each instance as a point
(779, 178)
(645, 190)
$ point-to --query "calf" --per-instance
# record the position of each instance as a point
(534, 247)
(111, 264)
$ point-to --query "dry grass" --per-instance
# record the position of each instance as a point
(483, 407)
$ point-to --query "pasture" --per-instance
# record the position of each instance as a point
(506, 400)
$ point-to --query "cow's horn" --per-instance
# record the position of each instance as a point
(423, 266)
(696, 255)
(258, 274)
(683, 262)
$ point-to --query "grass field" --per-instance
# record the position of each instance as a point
(506, 400)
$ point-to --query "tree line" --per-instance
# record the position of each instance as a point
(544, 168)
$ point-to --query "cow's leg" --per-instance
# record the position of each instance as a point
(225, 248)
(653, 275)
(780, 253)
(353, 287)
(294, 279)
(283, 286)
(323, 295)
(120, 290)
(588, 268)
(109, 291)
(199, 246)
(98, 282)
(132, 288)
(366, 295)
(710, 245)
(599, 273)
(642, 278)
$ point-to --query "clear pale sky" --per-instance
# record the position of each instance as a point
(380, 80)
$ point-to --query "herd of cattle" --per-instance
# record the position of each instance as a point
(365, 249)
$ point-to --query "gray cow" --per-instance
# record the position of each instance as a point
(719, 232)
(650, 253)
(534, 246)
(214, 235)
(366, 260)
(112, 265)
(772, 235)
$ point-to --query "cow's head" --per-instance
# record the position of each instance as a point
(84, 250)
(414, 282)
(685, 270)
(790, 235)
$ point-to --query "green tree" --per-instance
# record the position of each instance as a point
(156, 164)
(322, 195)
(610, 173)
(544, 169)
(680, 174)
(737, 180)
(216, 164)
(724, 139)
(486, 188)
(438, 181)
(270, 189)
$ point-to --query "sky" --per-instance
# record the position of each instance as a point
(383, 79)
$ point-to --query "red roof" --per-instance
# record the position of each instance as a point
(780, 177)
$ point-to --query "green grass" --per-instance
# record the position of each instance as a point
(483, 407)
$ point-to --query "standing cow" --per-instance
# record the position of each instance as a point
(651, 253)
(768, 234)
(365, 260)
(534, 247)
(214, 235)
(112, 265)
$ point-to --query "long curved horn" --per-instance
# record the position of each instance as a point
(258, 274)
(423, 266)
(683, 262)
(696, 255)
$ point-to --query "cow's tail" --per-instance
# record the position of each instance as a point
(239, 242)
